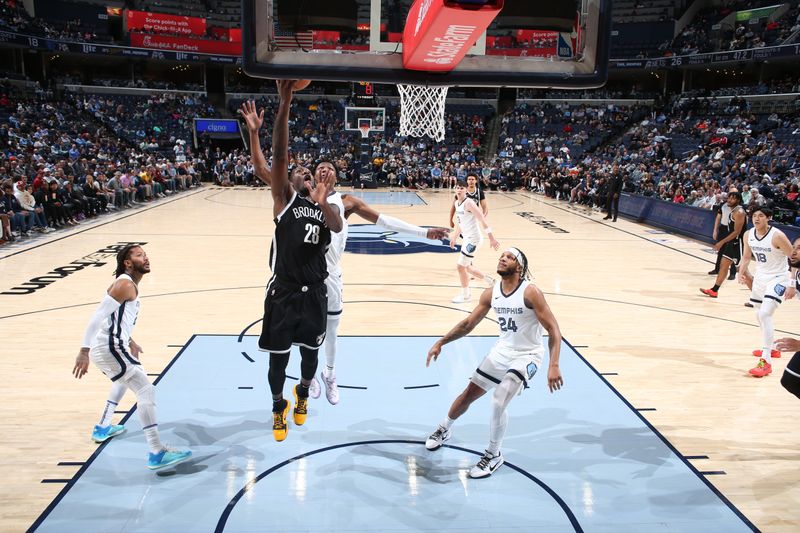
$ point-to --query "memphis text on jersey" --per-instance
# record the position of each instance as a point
(508, 310)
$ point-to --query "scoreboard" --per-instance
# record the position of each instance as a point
(364, 93)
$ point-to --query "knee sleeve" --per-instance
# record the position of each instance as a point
(146, 396)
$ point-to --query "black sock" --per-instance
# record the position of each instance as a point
(302, 391)
(278, 405)
(715, 288)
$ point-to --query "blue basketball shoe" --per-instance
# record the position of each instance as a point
(102, 434)
(167, 457)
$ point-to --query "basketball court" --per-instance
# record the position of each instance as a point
(658, 425)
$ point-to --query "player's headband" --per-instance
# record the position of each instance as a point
(518, 257)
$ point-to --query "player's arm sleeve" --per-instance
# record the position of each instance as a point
(108, 306)
(396, 224)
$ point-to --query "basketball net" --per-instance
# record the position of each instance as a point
(364, 128)
(422, 111)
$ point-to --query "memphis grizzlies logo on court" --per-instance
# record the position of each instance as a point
(372, 239)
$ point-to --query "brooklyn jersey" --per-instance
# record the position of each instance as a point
(476, 196)
(300, 243)
(731, 225)
(770, 261)
(520, 331)
(467, 222)
(338, 240)
(115, 333)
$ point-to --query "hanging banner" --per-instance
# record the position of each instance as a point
(163, 23)
(184, 44)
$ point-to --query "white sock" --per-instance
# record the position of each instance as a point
(765, 313)
(465, 292)
(448, 422)
(153, 439)
(114, 397)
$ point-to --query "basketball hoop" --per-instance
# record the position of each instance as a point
(422, 111)
(364, 129)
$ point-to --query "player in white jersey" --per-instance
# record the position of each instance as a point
(770, 248)
(349, 205)
(108, 343)
(469, 221)
(522, 312)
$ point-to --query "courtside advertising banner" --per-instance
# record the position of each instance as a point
(163, 23)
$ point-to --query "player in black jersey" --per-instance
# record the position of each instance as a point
(730, 245)
(791, 374)
(296, 304)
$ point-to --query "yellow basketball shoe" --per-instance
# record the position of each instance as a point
(300, 408)
(279, 425)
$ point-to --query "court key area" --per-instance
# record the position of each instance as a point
(582, 459)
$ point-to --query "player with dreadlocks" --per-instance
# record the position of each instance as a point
(522, 312)
(108, 343)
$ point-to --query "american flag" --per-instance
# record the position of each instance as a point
(290, 40)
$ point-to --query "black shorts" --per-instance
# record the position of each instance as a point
(293, 315)
(733, 250)
(791, 376)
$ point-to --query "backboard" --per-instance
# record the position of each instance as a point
(361, 40)
(364, 119)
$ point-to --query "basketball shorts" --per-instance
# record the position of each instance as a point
(497, 364)
(115, 364)
(468, 249)
(768, 287)
(791, 375)
(733, 250)
(333, 284)
(293, 315)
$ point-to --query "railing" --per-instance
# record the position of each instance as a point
(102, 89)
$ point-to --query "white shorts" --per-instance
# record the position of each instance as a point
(468, 249)
(115, 365)
(335, 287)
(496, 365)
(769, 287)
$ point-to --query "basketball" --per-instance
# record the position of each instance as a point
(299, 85)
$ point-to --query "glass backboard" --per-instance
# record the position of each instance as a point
(528, 45)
